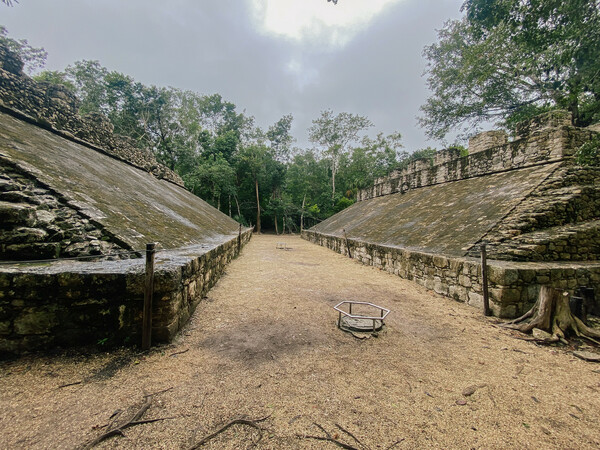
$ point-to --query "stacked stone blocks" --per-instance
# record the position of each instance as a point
(44, 306)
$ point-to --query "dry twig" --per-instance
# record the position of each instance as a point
(136, 419)
(248, 422)
(351, 435)
(327, 438)
(69, 384)
(395, 443)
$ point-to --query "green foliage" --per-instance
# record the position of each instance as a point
(33, 58)
(464, 151)
(280, 138)
(334, 133)
(589, 153)
(55, 77)
(508, 59)
(343, 203)
(253, 175)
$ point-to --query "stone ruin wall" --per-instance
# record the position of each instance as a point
(48, 306)
(489, 152)
(560, 220)
(55, 108)
(37, 223)
(64, 303)
(551, 238)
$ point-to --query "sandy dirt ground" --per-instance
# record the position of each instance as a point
(265, 343)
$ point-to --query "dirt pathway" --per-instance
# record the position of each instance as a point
(265, 343)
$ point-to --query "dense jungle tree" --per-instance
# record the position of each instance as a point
(510, 59)
(334, 134)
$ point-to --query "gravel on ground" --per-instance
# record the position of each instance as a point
(265, 343)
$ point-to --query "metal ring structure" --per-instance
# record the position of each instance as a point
(350, 303)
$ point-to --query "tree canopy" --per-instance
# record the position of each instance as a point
(507, 60)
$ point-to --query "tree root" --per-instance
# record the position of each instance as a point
(136, 419)
(248, 422)
(551, 313)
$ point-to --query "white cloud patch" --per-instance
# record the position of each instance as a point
(316, 22)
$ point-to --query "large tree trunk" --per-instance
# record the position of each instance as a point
(551, 313)
(257, 208)
(276, 227)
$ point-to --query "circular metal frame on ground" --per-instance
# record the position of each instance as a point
(359, 322)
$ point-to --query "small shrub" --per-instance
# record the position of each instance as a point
(589, 153)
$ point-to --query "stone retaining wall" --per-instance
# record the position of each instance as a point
(513, 286)
(66, 303)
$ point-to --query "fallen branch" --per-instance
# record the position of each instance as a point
(248, 422)
(180, 353)
(136, 419)
(69, 384)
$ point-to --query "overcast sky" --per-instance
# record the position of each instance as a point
(269, 57)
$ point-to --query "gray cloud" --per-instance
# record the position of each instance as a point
(212, 46)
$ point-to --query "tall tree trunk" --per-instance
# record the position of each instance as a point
(237, 204)
(229, 205)
(283, 225)
(333, 186)
(302, 214)
(257, 207)
(276, 228)
(219, 203)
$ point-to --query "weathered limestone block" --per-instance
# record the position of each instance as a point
(35, 321)
(486, 140)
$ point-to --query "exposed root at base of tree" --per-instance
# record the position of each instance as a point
(136, 419)
(551, 313)
(247, 422)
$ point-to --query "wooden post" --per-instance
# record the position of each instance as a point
(347, 246)
(484, 276)
(148, 291)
